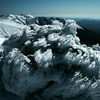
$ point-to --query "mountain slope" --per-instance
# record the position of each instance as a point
(88, 37)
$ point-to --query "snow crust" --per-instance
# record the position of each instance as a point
(46, 58)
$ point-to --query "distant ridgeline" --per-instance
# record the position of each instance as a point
(43, 59)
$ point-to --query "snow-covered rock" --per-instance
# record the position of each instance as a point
(47, 59)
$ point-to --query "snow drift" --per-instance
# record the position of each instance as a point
(47, 60)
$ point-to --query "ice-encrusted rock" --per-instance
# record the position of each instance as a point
(49, 61)
(43, 59)
(18, 70)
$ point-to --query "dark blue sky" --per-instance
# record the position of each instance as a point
(78, 8)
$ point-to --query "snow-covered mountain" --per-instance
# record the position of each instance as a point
(44, 59)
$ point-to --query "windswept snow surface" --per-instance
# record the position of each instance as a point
(44, 60)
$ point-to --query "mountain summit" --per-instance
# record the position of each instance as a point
(43, 59)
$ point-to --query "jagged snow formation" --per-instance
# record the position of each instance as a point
(47, 59)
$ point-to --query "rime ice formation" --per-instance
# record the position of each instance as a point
(47, 60)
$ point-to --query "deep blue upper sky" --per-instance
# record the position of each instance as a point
(78, 8)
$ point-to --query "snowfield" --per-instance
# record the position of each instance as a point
(42, 59)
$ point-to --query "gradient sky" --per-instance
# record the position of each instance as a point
(78, 8)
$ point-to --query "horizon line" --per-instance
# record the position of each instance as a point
(94, 16)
